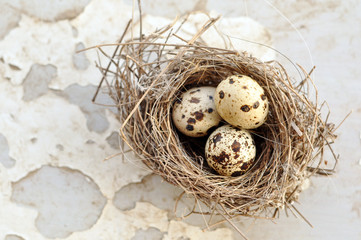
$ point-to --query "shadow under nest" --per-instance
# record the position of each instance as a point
(145, 77)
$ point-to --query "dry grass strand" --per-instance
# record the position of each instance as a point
(145, 76)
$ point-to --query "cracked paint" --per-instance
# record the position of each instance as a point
(61, 141)
(44, 43)
(59, 131)
(62, 129)
(35, 145)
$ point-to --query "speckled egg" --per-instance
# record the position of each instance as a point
(241, 101)
(194, 112)
(230, 151)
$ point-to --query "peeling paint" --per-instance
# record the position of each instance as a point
(53, 130)
(60, 147)
(5, 159)
(148, 234)
(13, 237)
(60, 189)
(181, 230)
(44, 43)
(82, 96)
(90, 141)
(152, 189)
(9, 19)
(201, 5)
(114, 140)
(55, 10)
(145, 215)
(173, 8)
(37, 80)
(80, 60)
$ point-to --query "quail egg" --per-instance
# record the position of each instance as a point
(230, 151)
(194, 112)
(241, 102)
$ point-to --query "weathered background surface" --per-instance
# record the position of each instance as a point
(54, 181)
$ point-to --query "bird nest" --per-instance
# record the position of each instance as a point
(145, 76)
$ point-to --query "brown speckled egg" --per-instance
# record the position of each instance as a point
(230, 151)
(194, 112)
(241, 101)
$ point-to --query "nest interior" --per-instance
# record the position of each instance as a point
(145, 76)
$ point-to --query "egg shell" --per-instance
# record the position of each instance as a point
(194, 112)
(230, 150)
(242, 102)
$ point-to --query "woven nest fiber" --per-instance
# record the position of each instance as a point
(145, 76)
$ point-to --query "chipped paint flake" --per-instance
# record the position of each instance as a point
(80, 60)
(178, 230)
(13, 237)
(9, 19)
(149, 233)
(56, 188)
(55, 9)
(82, 97)
(146, 215)
(37, 80)
(5, 159)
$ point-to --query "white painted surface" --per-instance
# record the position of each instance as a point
(52, 129)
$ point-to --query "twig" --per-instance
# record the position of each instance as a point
(109, 64)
